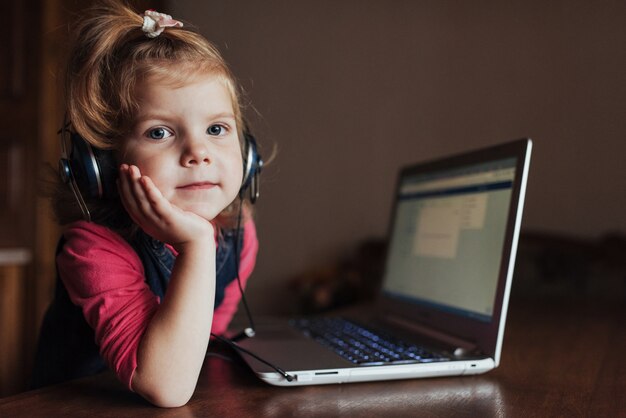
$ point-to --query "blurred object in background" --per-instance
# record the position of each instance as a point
(351, 279)
(556, 265)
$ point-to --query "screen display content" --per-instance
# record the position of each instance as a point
(447, 225)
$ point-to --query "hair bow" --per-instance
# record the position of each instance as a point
(154, 23)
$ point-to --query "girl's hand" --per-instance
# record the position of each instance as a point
(156, 215)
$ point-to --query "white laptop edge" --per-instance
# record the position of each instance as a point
(516, 233)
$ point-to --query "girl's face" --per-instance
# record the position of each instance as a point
(185, 139)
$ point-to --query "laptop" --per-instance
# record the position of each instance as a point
(442, 304)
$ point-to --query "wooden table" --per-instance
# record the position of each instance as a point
(559, 359)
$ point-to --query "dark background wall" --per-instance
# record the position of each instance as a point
(350, 90)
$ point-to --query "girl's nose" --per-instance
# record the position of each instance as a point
(195, 152)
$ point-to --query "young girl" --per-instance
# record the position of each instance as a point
(147, 264)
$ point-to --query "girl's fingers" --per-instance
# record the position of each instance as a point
(138, 191)
(142, 199)
(124, 187)
(159, 205)
(133, 195)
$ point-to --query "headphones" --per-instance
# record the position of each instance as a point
(92, 172)
(252, 166)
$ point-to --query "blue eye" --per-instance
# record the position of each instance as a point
(159, 133)
(216, 130)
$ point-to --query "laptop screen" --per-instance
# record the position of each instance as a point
(447, 238)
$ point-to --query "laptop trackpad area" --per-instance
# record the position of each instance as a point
(287, 348)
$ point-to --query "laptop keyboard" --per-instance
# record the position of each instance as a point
(360, 345)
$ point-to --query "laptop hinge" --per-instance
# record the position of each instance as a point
(459, 346)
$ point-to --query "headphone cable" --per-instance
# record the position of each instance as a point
(249, 331)
(237, 347)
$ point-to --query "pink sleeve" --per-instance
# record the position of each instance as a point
(104, 276)
(225, 312)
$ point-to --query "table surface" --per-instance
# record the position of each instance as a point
(558, 359)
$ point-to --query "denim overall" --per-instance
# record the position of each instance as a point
(67, 348)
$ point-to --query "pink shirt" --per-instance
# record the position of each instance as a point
(105, 278)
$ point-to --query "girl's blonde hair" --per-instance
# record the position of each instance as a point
(109, 54)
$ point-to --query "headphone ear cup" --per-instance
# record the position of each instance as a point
(252, 165)
(93, 169)
(108, 172)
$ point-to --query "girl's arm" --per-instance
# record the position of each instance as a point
(172, 349)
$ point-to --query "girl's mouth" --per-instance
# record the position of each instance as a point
(197, 186)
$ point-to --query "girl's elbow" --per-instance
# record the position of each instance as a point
(168, 400)
(163, 395)
(167, 397)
